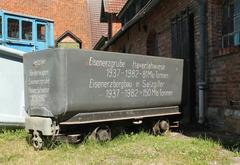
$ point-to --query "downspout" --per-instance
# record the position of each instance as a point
(110, 26)
(202, 57)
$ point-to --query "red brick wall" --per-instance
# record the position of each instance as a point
(97, 29)
(223, 74)
(70, 15)
(116, 27)
(159, 21)
(222, 65)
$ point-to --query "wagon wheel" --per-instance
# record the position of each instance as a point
(160, 127)
(37, 140)
(101, 134)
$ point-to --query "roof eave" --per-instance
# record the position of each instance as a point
(71, 35)
(100, 41)
(147, 8)
(10, 52)
(27, 16)
(124, 9)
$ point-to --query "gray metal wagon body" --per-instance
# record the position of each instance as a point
(73, 86)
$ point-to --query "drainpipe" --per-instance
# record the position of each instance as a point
(110, 26)
(202, 82)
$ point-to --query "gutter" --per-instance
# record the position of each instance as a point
(133, 21)
(202, 58)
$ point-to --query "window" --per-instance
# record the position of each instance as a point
(41, 32)
(0, 27)
(182, 35)
(13, 28)
(231, 23)
(26, 30)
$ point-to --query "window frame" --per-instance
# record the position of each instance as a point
(32, 29)
(19, 28)
(230, 38)
(45, 39)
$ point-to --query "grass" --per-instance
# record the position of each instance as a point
(140, 148)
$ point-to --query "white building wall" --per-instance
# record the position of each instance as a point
(12, 110)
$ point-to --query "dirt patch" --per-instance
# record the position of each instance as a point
(236, 161)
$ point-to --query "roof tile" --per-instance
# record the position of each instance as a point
(113, 6)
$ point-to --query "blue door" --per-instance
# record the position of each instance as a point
(41, 36)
